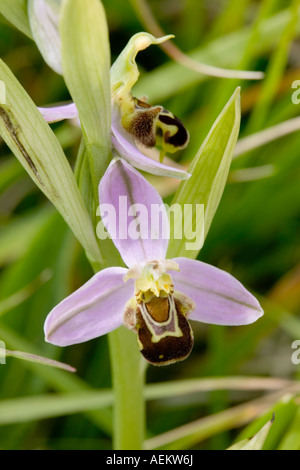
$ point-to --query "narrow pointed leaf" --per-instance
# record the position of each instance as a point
(209, 170)
(32, 141)
(256, 442)
(16, 13)
(284, 410)
(37, 359)
(44, 22)
(86, 69)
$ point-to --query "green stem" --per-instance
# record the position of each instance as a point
(128, 372)
(126, 361)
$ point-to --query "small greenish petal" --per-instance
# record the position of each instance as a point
(16, 13)
(124, 72)
(256, 442)
(44, 22)
(209, 169)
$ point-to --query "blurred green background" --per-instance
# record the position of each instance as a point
(255, 236)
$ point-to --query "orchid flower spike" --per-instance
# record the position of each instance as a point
(154, 297)
(136, 125)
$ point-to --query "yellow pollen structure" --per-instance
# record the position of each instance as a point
(147, 286)
(153, 280)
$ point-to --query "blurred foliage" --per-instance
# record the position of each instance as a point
(255, 236)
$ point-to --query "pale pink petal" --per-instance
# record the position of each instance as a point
(134, 214)
(220, 298)
(93, 310)
(59, 113)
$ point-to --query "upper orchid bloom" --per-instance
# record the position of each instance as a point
(154, 296)
(134, 121)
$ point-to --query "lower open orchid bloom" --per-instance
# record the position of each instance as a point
(154, 297)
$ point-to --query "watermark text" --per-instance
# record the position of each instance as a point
(152, 222)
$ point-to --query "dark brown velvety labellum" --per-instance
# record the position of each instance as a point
(155, 125)
(142, 126)
(164, 333)
(181, 137)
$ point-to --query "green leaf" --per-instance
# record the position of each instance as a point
(209, 169)
(44, 23)
(86, 68)
(47, 406)
(36, 359)
(291, 440)
(60, 380)
(83, 178)
(16, 13)
(256, 442)
(177, 388)
(190, 434)
(285, 411)
(32, 141)
(77, 401)
(82, 400)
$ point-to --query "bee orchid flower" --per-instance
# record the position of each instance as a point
(136, 125)
(154, 296)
